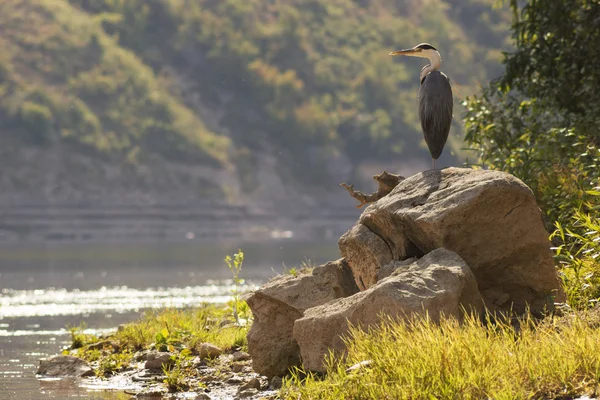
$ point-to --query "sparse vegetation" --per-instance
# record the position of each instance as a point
(177, 374)
(235, 266)
(178, 329)
(78, 338)
(306, 267)
(112, 363)
(175, 330)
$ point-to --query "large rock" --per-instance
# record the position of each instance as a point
(489, 218)
(64, 366)
(282, 301)
(439, 283)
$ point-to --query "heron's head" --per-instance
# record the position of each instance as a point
(423, 50)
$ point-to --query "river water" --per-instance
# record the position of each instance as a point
(46, 288)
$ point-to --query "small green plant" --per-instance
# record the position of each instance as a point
(170, 340)
(91, 355)
(78, 337)
(306, 267)
(113, 363)
(235, 266)
(177, 374)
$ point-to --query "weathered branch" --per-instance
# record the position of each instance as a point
(387, 182)
(360, 196)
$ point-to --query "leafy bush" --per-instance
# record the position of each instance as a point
(579, 255)
(540, 122)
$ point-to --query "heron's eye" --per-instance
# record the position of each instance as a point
(426, 47)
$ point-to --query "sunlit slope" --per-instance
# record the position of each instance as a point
(308, 83)
(63, 79)
(312, 78)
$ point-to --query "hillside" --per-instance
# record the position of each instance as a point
(241, 99)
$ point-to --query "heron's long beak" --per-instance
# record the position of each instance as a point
(407, 52)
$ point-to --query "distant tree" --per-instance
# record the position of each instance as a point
(541, 119)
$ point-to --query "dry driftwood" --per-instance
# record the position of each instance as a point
(386, 181)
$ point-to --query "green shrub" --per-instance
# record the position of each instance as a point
(540, 120)
(579, 255)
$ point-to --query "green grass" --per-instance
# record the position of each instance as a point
(177, 331)
(556, 358)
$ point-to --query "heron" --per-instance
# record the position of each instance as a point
(435, 98)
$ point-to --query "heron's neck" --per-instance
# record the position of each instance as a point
(435, 62)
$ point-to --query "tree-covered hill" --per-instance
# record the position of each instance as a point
(163, 85)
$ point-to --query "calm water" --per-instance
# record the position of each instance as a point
(46, 288)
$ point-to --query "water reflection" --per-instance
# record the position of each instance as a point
(44, 289)
(51, 302)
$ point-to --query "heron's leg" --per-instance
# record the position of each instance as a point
(433, 162)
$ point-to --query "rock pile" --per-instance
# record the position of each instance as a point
(441, 242)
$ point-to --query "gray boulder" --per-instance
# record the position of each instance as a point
(438, 284)
(282, 301)
(489, 218)
(64, 366)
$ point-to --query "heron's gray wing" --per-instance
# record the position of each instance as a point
(435, 111)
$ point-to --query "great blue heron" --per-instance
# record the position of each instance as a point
(435, 99)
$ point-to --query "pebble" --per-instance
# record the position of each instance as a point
(241, 356)
(237, 367)
(156, 360)
(276, 383)
(247, 393)
(65, 366)
(253, 383)
(208, 350)
(234, 380)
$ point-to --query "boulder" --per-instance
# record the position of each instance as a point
(368, 252)
(64, 366)
(438, 284)
(390, 268)
(489, 218)
(282, 301)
